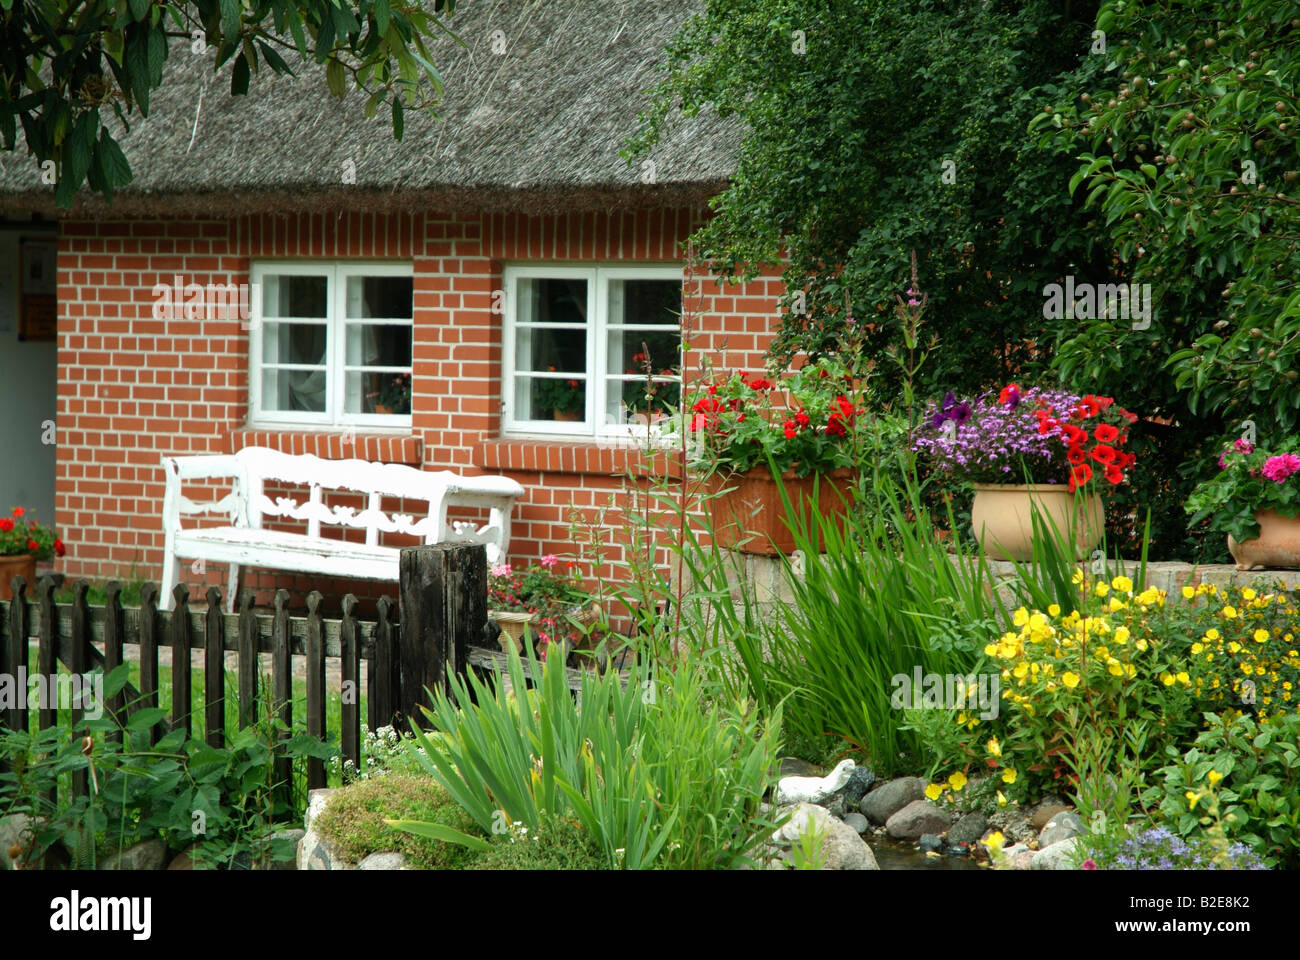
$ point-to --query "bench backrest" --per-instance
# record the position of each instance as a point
(252, 468)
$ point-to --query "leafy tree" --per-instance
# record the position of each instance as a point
(62, 63)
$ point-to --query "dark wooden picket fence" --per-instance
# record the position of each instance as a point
(442, 613)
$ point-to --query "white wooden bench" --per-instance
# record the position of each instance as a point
(244, 542)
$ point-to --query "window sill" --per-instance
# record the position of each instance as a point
(609, 458)
(377, 446)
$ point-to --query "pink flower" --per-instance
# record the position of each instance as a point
(501, 570)
(1242, 445)
(1089, 864)
(1280, 467)
(550, 560)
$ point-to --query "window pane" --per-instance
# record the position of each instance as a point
(294, 296)
(551, 300)
(297, 390)
(550, 398)
(632, 400)
(645, 301)
(627, 353)
(550, 349)
(382, 393)
(378, 345)
(293, 343)
(388, 298)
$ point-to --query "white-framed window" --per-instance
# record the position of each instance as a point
(590, 351)
(330, 343)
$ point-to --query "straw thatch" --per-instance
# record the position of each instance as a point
(538, 128)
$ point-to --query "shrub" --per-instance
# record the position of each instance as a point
(558, 844)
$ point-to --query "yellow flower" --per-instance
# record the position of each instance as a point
(1021, 669)
(1261, 636)
(1009, 775)
(1102, 589)
(1076, 577)
(1211, 634)
(1191, 799)
(1234, 647)
(1053, 609)
(934, 790)
(1141, 645)
(1070, 679)
(1188, 593)
(1229, 612)
(1020, 617)
(957, 780)
(1002, 800)
(1182, 678)
(994, 842)
(1215, 777)
(1122, 584)
(991, 650)
(1121, 634)
(994, 748)
(1167, 678)
(1248, 594)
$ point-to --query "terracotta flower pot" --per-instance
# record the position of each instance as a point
(753, 508)
(1278, 543)
(22, 564)
(1001, 517)
(568, 416)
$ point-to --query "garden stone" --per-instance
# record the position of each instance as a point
(858, 822)
(860, 783)
(1023, 860)
(836, 807)
(1061, 827)
(145, 855)
(187, 859)
(888, 798)
(1056, 856)
(383, 861)
(968, 829)
(931, 843)
(916, 819)
(813, 789)
(314, 851)
(794, 767)
(1045, 813)
(841, 847)
(293, 838)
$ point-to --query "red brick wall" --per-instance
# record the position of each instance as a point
(133, 388)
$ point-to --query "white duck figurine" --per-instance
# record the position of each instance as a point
(813, 789)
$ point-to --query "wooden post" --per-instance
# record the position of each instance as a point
(444, 608)
(383, 703)
(214, 672)
(180, 640)
(282, 688)
(47, 652)
(350, 695)
(315, 686)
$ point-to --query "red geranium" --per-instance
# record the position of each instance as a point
(19, 511)
(6, 524)
(1104, 454)
(1105, 433)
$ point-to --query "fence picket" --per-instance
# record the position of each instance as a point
(249, 662)
(282, 686)
(46, 652)
(149, 652)
(315, 687)
(214, 672)
(18, 649)
(76, 662)
(350, 692)
(381, 669)
(114, 636)
(182, 704)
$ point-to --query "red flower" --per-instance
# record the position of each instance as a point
(1073, 435)
(1105, 433)
(6, 524)
(59, 548)
(1076, 455)
(33, 545)
(1088, 407)
(1114, 474)
(1010, 390)
(1046, 425)
(758, 383)
(1130, 417)
(1104, 454)
(19, 511)
(1079, 476)
(802, 419)
(789, 430)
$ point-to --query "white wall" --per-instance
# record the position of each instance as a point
(28, 372)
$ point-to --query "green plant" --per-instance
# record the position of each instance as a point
(806, 853)
(19, 536)
(558, 394)
(558, 844)
(394, 393)
(1249, 767)
(1251, 478)
(536, 589)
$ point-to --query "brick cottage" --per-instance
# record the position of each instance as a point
(283, 273)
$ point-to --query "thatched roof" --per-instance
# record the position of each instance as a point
(537, 128)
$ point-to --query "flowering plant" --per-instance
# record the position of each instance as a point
(806, 422)
(1250, 478)
(648, 394)
(20, 534)
(394, 393)
(1048, 436)
(562, 396)
(536, 589)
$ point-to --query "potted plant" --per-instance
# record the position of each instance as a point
(393, 395)
(805, 428)
(23, 541)
(564, 398)
(1030, 449)
(1255, 500)
(538, 596)
(649, 401)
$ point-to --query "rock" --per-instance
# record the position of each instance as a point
(15, 831)
(861, 780)
(841, 847)
(383, 861)
(1056, 856)
(917, 818)
(888, 798)
(145, 855)
(968, 829)
(1023, 859)
(931, 843)
(1045, 813)
(813, 789)
(836, 807)
(794, 767)
(314, 851)
(1061, 827)
(858, 822)
(283, 840)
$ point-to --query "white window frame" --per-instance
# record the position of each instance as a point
(336, 273)
(597, 329)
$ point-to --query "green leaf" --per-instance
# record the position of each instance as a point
(398, 122)
(157, 53)
(274, 59)
(336, 79)
(381, 17)
(239, 75)
(437, 831)
(145, 718)
(139, 9)
(229, 19)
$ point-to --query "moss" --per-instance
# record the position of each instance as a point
(353, 821)
(558, 845)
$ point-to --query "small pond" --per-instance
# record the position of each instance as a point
(901, 855)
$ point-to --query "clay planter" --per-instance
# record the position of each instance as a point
(753, 508)
(567, 416)
(513, 622)
(1278, 543)
(1002, 521)
(24, 565)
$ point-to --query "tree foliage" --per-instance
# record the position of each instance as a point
(65, 64)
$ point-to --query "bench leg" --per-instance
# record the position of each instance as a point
(165, 599)
(232, 591)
